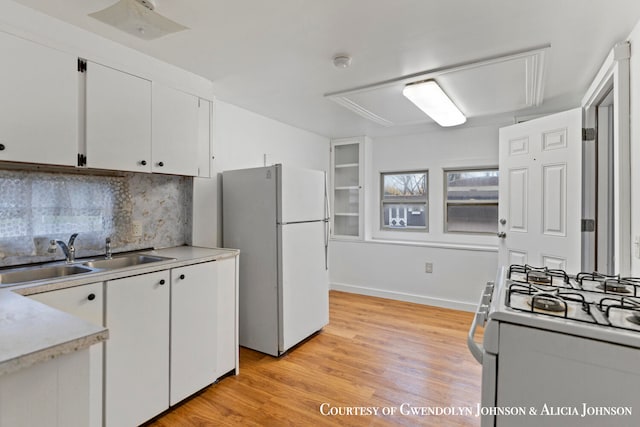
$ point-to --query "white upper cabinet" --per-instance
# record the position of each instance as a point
(175, 131)
(38, 103)
(118, 120)
(205, 154)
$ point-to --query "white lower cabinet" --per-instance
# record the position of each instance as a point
(137, 351)
(87, 303)
(227, 316)
(50, 393)
(193, 329)
(171, 333)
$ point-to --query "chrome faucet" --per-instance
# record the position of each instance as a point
(107, 248)
(68, 248)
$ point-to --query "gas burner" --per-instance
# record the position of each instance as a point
(547, 302)
(538, 277)
(595, 276)
(634, 318)
(614, 286)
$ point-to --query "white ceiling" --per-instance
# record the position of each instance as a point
(274, 57)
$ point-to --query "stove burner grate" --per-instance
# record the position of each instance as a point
(615, 287)
(539, 275)
(547, 303)
(634, 318)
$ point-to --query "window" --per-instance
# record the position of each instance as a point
(404, 200)
(471, 204)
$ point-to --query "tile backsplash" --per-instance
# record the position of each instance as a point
(37, 206)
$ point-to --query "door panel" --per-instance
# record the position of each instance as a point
(518, 200)
(175, 131)
(118, 120)
(554, 200)
(540, 187)
(302, 194)
(518, 258)
(38, 103)
(305, 282)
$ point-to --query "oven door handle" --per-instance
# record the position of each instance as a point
(480, 318)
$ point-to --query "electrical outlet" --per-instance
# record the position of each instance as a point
(428, 267)
(136, 228)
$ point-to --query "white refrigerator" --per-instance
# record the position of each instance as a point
(278, 217)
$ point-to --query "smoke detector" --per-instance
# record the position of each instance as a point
(341, 61)
(138, 18)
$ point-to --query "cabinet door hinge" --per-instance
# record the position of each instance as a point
(588, 134)
(82, 65)
(82, 160)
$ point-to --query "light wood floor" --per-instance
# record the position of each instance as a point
(374, 353)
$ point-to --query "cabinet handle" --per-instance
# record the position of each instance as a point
(161, 164)
(91, 297)
(2, 147)
(182, 277)
(162, 282)
(143, 162)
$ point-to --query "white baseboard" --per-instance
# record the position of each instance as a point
(401, 296)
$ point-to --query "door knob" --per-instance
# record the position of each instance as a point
(502, 234)
(503, 221)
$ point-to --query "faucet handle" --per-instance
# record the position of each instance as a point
(107, 248)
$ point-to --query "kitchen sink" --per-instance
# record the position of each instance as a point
(13, 277)
(124, 261)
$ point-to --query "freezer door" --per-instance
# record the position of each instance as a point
(302, 194)
(304, 281)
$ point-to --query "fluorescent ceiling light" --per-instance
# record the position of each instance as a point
(138, 17)
(431, 99)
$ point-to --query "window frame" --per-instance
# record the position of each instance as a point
(404, 200)
(446, 202)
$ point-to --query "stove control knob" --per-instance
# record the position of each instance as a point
(502, 234)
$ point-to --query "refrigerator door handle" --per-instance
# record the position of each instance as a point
(327, 224)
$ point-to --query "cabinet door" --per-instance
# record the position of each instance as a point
(193, 328)
(118, 120)
(175, 131)
(136, 354)
(347, 179)
(227, 316)
(85, 302)
(204, 138)
(38, 103)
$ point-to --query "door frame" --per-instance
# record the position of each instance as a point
(615, 73)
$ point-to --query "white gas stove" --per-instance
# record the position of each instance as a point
(554, 340)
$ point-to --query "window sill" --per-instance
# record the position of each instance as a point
(437, 245)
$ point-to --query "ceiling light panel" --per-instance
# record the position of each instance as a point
(481, 88)
(431, 99)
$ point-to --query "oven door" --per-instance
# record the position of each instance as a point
(485, 353)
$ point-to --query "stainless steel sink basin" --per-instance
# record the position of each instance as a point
(124, 261)
(13, 277)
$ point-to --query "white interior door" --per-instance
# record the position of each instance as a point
(540, 192)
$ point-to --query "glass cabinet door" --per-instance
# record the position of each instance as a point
(347, 189)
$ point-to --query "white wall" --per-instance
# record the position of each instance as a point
(634, 64)
(392, 264)
(241, 140)
(38, 27)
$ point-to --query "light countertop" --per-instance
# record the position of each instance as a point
(31, 332)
